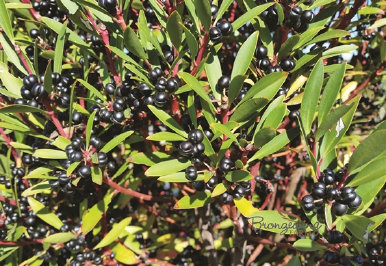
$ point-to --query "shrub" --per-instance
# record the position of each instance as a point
(192, 132)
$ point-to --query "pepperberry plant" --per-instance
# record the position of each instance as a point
(197, 132)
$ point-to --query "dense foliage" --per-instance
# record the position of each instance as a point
(192, 132)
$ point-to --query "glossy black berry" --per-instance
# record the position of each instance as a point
(214, 10)
(29, 81)
(307, 16)
(226, 164)
(191, 173)
(264, 64)
(355, 203)
(118, 117)
(328, 177)
(287, 64)
(172, 84)
(215, 34)
(84, 171)
(333, 193)
(110, 88)
(212, 182)
(295, 12)
(225, 27)
(196, 136)
(308, 203)
(261, 52)
(160, 99)
(161, 84)
(34, 33)
(335, 237)
(339, 208)
(223, 82)
(186, 148)
(198, 149)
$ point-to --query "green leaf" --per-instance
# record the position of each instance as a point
(72, 168)
(266, 87)
(213, 71)
(92, 216)
(113, 233)
(374, 170)
(149, 159)
(59, 238)
(280, 13)
(358, 226)
(196, 86)
(133, 44)
(174, 29)
(203, 12)
(50, 154)
(306, 59)
(377, 221)
(368, 10)
(238, 176)
(244, 55)
(165, 136)
(19, 108)
(43, 213)
(124, 255)
(311, 96)
(368, 192)
(248, 109)
(96, 175)
(245, 207)
(332, 119)
(89, 127)
(167, 120)
(275, 144)
(178, 177)
(307, 36)
(12, 56)
(319, 3)
(144, 29)
(287, 47)
(328, 35)
(192, 109)
(277, 222)
(48, 78)
(328, 215)
(59, 48)
(92, 90)
(338, 50)
(235, 88)
(379, 23)
(167, 167)
(369, 149)
(250, 15)
(116, 141)
(223, 8)
(330, 93)
(61, 142)
(5, 20)
(8, 80)
(275, 117)
(263, 135)
(42, 187)
(196, 200)
(191, 41)
(308, 245)
(219, 189)
(223, 129)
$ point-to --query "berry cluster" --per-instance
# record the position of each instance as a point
(109, 5)
(264, 64)
(327, 190)
(299, 19)
(162, 86)
(49, 8)
(193, 148)
(270, 17)
(222, 28)
(334, 258)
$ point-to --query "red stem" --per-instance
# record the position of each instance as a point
(54, 119)
(21, 243)
(32, 11)
(22, 59)
(8, 140)
(201, 52)
(133, 193)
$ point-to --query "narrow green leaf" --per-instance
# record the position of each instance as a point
(43, 213)
(275, 144)
(196, 86)
(330, 93)
(124, 255)
(59, 48)
(174, 29)
(178, 177)
(368, 150)
(48, 78)
(12, 56)
(213, 72)
(61, 142)
(92, 90)
(50, 154)
(338, 50)
(42, 187)
(196, 200)
(328, 35)
(165, 136)
(248, 109)
(113, 233)
(203, 12)
(59, 238)
(368, 192)
(167, 167)
(191, 41)
(168, 120)
(5, 20)
(96, 175)
(333, 117)
(217, 127)
(287, 47)
(238, 176)
(116, 141)
(249, 15)
(375, 169)
(245, 207)
(263, 135)
(93, 215)
(369, 10)
(219, 189)
(235, 88)
(379, 23)
(192, 109)
(307, 36)
(358, 226)
(223, 8)
(89, 126)
(308, 245)
(19, 108)
(149, 159)
(133, 44)
(8, 80)
(311, 96)
(306, 59)
(377, 221)
(244, 55)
